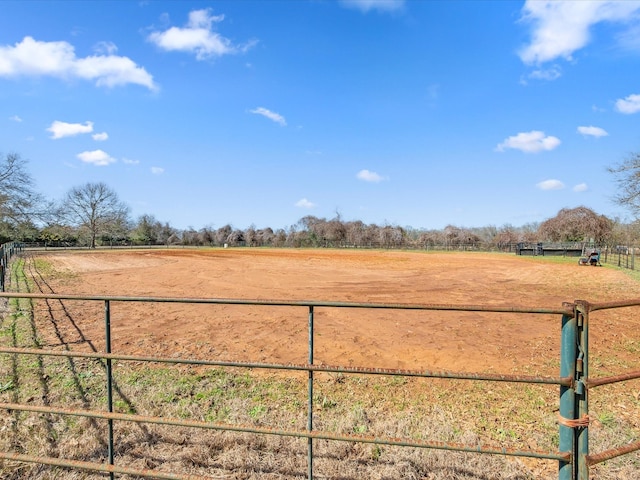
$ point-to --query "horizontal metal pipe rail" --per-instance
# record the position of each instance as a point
(315, 434)
(567, 309)
(566, 381)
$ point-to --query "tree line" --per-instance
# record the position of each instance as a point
(93, 215)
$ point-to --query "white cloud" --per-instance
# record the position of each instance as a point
(129, 161)
(105, 48)
(593, 131)
(562, 27)
(381, 5)
(550, 185)
(98, 158)
(630, 104)
(276, 117)
(157, 170)
(581, 187)
(304, 203)
(369, 176)
(529, 142)
(15, 118)
(58, 59)
(100, 137)
(60, 129)
(198, 37)
(549, 74)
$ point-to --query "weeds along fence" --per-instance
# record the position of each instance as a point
(573, 382)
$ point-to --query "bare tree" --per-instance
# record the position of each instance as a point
(20, 205)
(96, 208)
(576, 225)
(251, 237)
(627, 175)
(222, 233)
(236, 238)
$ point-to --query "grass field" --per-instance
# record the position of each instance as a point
(517, 416)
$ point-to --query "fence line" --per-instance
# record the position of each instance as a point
(573, 381)
(7, 251)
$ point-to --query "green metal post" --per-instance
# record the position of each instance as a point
(568, 349)
(582, 374)
(107, 321)
(310, 400)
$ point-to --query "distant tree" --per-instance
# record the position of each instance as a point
(265, 236)
(506, 236)
(431, 238)
(166, 233)
(117, 231)
(529, 232)
(355, 233)
(190, 237)
(95, 208)
(145, 231)
(251, 236)
(236, 238)
(334, 232)
(173, 239)
(624, 233)
(222, 234)
(57, 234)
(20, 205)
(391, 236)
(456, 237)
(207, 235)
(576, 225)
(627, 175)
(279, 238)
(150, 231)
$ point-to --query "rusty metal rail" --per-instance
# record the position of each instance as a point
(566, 309)
(566, 381)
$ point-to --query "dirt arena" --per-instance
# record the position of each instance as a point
(504, 342)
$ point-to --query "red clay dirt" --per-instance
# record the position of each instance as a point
(453, 341)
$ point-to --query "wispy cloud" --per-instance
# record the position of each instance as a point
(304, 203)
(198, 37)
(157, 170)
(98, 158)
(630, 104)
(129, 161)
(380, 5)
(549, 74)
(581, 187)
(550, 185)
(369, 176)
(15, 118)
(592, 131)
(529, 142)
(560, 28)
(60, 129)
(276, 117)
(100, 137)
(32, 58)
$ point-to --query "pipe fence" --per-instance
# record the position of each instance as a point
(573, 381)
(7, 251)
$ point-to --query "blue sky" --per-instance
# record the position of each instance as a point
(410, 113)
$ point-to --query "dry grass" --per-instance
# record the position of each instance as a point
(467, 412)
